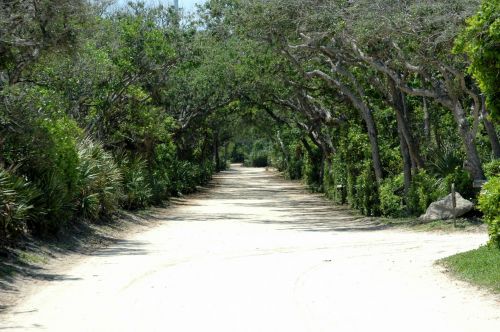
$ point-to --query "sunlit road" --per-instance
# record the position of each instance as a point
(258, 253)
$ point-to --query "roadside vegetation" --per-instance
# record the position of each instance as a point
(382, 105)
(480, 267)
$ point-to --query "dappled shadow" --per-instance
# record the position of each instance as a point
(239, 192)
(123, 248)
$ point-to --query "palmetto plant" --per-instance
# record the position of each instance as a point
(100, 181)
(137, 191)
(445, 159)
(16, 197)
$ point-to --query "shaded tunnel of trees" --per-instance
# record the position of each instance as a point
(381, 104)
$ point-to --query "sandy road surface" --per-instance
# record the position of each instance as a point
(257, 253)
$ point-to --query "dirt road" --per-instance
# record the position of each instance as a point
(257, 253)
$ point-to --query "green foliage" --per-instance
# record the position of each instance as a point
(16, 198)
(492, 168)
(366, 192)
(259, 160)
(335, 180)
(172, 99)
(237, 153)
(52, 166)
(463, 183)
(489, 204)
(187, 175)
(445, 160)
(137, 191)
(100, 181)
(480, 41)
(259, 154)
(312, 168)
(391, 197)
(424, 190)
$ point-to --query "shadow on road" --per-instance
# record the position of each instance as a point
(289, 203)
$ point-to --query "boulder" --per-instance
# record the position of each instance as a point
(443, 209)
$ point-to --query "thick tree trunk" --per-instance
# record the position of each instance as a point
(403, 144)
(473, 162)
(490, 130)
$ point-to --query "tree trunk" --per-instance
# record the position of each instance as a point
(373, 137)
(490, 130)
(473, 162)
(283, 150)
(403, 126)
(427, 122)
(407, 166)
(216, 153)
(366, 114)
(317, 160)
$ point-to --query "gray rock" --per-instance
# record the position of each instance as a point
(443, 209)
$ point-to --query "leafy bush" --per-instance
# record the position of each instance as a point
(335, 175)
(391, 196)
(424, 190)
(237, 154)
(366, 197)
(463, 183)
(206, 171)
(16, 196)
(52, 166)
(296, 162)
(259, 160)
(137, 191)
(445, 159)
(186, 176)
(480, 42)
(100, 187)
(489, 204)
(312, 170)
(492, 168)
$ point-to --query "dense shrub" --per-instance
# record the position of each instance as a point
(259, 160)
(237, 153)
(365, 192)
(492, 168)
(489, 204)
(16, 197)
(187, 175)
(100, 181)
(335, 180)
(463, 184)
(207, 169)
(52, 166)
(296, 162)
(312, 169)
(259, 154)
(391, 197)
(424, 190)
(137, 191)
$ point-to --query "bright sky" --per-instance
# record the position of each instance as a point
(188, 5)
